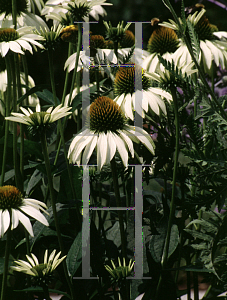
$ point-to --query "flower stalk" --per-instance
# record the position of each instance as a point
(53, 204)
(8, 100)
(60, 127)
(75, 73)
(118, 201)
(6, 263)
(172, 203)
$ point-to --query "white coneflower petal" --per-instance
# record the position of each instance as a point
(39, 121)
(108, 133)
(14, 206)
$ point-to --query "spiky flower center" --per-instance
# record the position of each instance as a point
(6, 6)
(79, 12)
(8, 34)
(163, 40)
(108, 45)
(205, 30)
(97, 41)
(70, 33)
(128, 39)
(125, 80)
(106, 115)
(10, 197)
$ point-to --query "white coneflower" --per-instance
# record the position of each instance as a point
(120, 272)
(33, 100)
(14, 208)
(18, 40)
(168, 78)
(24, 15)
(124, 89)
(163, 41)
(40, 120)
(108, 132)
(71, 10)
(212, 47)
(33, 268)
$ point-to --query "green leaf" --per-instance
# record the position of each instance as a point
(209, 227)
(183, 18)
(40, 290)
(157, 242)
(11, 173)
(194, 40)
(74, 256)
(33, 181)
(33, 148)
(47, 96)
(65, 192)
(199, 235)
(39, 228)
(33, 90)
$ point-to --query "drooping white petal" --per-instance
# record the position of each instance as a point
(121, 149)
(101, 150)
(145, 139)
(89, 149)
(80, 146)
(207, 55)
(26, 222)
(34, 213)
(4, 48)
(4, 221)
(15, 47)
(111, 148)
(15, 219)
(127, 140)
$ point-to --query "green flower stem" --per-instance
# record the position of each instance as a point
(25, 69)
(201, 73)
(75, 74)
(52, 196)
(7, 113)
(51, 70)
(172, 203)
(66, 75)
(19, 93)
(15, 154)
(14, 13)
(120, 213)
(60, 128)
(97, 80)
(46, 293)
(6, 263)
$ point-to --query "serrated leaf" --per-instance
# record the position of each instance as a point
(199, 235)
(201, 246)
(205, 224)
(194, 40)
